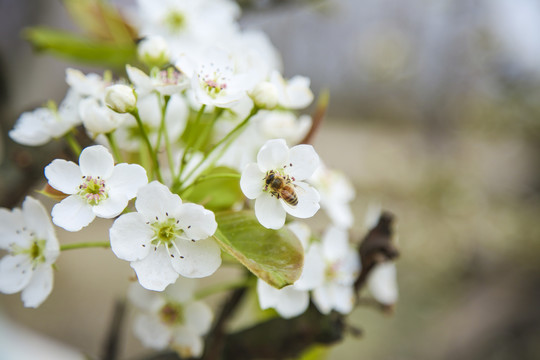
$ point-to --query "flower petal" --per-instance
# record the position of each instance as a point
(127, 179)
(155, 199)
(269, 212)
(110, 207)
(342, 298)
(39, 287)
(145, 300)
(335, 242)
(130, 237)
(313, 271)
(64, 176)
(198, 317)
(10, 223)
(15, 273)
(308, 201)
(183, 290)
(382, 283)
(73, 213)
(200, 258)
(288, 302)
(96, 161)
(322, 298)
(304, 161)
(186, 343)
(197, 222)
(38, 219)
(273, 155)
(155, 271)
(252, 181)
(151, 332)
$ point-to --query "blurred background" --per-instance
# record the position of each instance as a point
(434, 113)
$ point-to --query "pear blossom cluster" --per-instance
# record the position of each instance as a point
(204, 103)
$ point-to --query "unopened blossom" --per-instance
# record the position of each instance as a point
(169, 81)
(32, 248)
(264, 95)
(153, 51)
(337, 193)
(172, 318)
(120, 98)
(43, 124)
(166, 238)
(86, 85)
(276, 182)
(342, 269)
(382, 283)
(294, 93)
(293, 300)
(96, 187)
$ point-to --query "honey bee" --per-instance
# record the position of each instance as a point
(281, 187)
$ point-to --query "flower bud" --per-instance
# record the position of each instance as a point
(265, 95)
(120, 98)
(153, 51)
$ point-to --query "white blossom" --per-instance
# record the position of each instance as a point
(32, 248)
(120, 98)
(382, 283)
(276, 183)
(96, 187)
(166, 238)
(169, 81)
(171, 318)
(342, 268)
(294, 93)
(337, 192)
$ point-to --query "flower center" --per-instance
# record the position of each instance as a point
(214, 81)
(166, 233)
(172, 314)
(176, 21)
(35, 252)
(93, 189)
(170, 76)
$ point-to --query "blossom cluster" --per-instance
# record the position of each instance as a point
(204, 125)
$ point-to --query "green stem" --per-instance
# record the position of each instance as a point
(73, 143)
(149, 147)
(204, 178)
(227, 140)
(102, 244)
(162, 123)
(114, 147)
(214, 289)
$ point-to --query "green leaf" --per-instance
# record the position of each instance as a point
(275, 256)
(79, 48)
(217, 190)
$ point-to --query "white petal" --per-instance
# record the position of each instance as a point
(156, 199)
(73, 213)
(298, 93)
(313, 271)
(39, 288)
(268, 295)
(252, 181)
(302, 232)
(151, 332)
(343, 298)
(127, 179)
(142, 82)
(110, 207)
(15, 273)
(10, 223)
(201, 258)
(64, 176)
(198, 317)
(155, 271)
(186, 343)
(145, 300)
(322, 298)
(182, 290)
(304, 161)
(37, 218)
(382, 283)
(269, 211)
(96, 161)
(273, 155)
(308, 201)
(197, 222)
(130, 237)
(335, 242)
(293, 302)
(30, 129)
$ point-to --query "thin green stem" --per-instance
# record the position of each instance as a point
(101, 244)
(162, 123)
(226, 141)
(114, 147)
(153, 154)
(73, 143)
(204, 178)
(211, 290)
